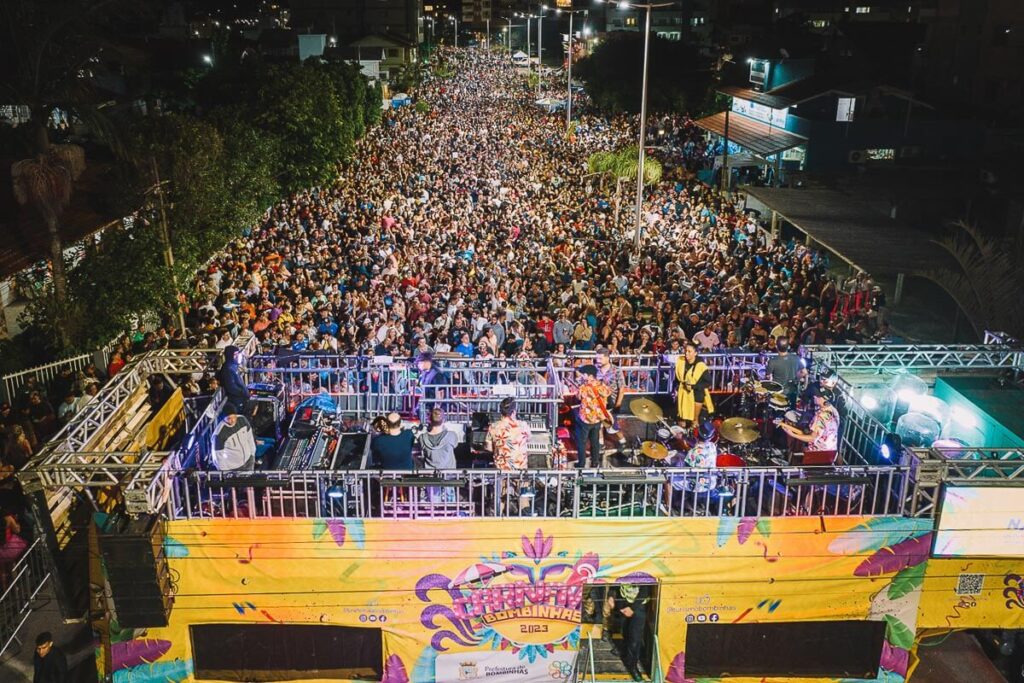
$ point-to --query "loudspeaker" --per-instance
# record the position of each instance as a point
(137, 571)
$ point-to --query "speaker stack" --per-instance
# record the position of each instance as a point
(137, 571)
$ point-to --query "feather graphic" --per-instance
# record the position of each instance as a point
(319, 529)
(394, 670)
(134, 652)
(336, 528)
(174, 671)
(895, 659)
(745, 529)
(726, 528)
(174, 548)
(875, 534)
(898, 634)
(908, 553)
(677, 670)
(906, 582)
(423, 671)
(764, 527)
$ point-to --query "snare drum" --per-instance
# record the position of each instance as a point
(664, 434)
(792, 417)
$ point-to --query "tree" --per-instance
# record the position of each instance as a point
(622, 165)
(987, 284)
(677, 75)
(52, 51)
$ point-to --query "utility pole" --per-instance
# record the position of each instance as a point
(643, 137)
(165, 239)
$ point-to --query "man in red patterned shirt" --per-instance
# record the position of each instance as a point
(508, 438)
(591, 411)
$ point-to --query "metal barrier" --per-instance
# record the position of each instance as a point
(576, 494)
(27, 578)
(43, 373)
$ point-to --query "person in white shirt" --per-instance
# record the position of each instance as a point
(707, 339)
(234, 444)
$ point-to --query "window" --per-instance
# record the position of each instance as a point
(820, 23)
(863, 10)
(630, 21)
(283, 652)
(825, 649)
(697, 21)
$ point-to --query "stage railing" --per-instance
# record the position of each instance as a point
(27, 579)
(640, 492)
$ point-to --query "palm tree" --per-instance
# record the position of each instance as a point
(50, 49)
(626, 164)
(45, 183)
(987, 284)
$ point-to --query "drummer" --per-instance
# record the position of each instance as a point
(703, 455)
(823, 433)
(694, 391)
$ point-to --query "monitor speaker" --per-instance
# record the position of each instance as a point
(137, 571)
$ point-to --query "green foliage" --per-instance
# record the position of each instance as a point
(422, 107)
(677, 76)
(300, 103)
(986, 282)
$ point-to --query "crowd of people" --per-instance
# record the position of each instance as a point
(476, 229)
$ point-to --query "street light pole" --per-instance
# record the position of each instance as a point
(568, 99)
(510, 36)
(487, 41)
(540, 46)
(643, 136)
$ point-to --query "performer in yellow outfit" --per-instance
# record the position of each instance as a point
(694, 386)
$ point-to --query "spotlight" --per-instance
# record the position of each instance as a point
(623, 4)
(869, 402)
(335, 492)
(906, 395)
(890, 447)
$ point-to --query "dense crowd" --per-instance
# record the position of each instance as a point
(477, 229)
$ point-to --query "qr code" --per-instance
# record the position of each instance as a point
(970, 584)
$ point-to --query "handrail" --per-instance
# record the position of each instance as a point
(28, 577)
(657, 675)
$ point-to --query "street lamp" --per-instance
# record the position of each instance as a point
(208, 59)
(622, 4)
(456, 20)
(568, 100)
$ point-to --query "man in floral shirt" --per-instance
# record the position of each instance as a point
(507, 439)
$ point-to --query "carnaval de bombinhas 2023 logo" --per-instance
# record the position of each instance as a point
(525, 600)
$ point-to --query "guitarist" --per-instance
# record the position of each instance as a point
(612, 378)
(589, 414)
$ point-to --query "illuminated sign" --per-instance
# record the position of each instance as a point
(564, 4)
(978, 521)
(759, 112)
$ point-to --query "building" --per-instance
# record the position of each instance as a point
(666, 23)
(350, 20)
(395, 52)
(792, 118)
(972, 55)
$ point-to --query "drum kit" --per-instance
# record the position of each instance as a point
(740, 433)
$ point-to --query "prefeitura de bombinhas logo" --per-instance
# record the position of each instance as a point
(526, 601)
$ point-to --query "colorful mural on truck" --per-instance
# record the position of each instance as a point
(501, 600)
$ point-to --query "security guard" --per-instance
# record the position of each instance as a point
(631, 601)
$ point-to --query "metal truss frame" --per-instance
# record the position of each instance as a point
(918, 357)
(67, 461)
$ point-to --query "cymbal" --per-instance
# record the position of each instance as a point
(738, 423)
(654, 450)
(779, 399)
(739, 433)
(767, 387)
(646, 410)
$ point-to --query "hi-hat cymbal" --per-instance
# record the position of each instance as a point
(654, 450)
(646, 410)
(779, 399)
(737, 423)
(739, 433)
